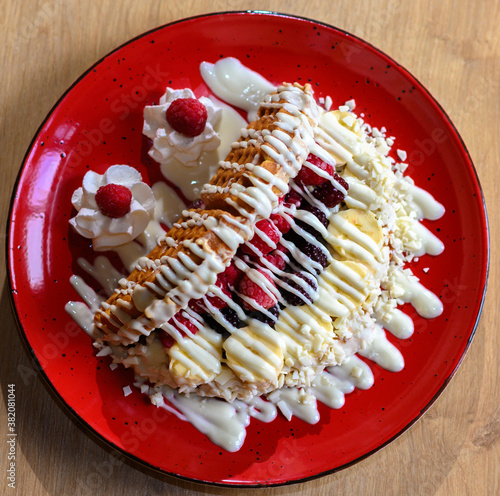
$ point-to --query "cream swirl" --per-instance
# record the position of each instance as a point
(106, 232)
(169, 144)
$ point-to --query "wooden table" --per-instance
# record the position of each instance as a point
(451, 47)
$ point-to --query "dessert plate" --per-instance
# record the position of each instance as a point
(98, 122)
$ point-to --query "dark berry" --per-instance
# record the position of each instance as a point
(229, 315)
(114, 200)
(317, 212)
(328, 194)
(304, 296)
(260, 316)
(213, 324)
(293, 198)
(316, 253)
(187, 116)
(232, 317)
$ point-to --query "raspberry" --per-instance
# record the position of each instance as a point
(293, 198)
(114, 200)
(304, 297)
(328, 194)
(217, 302)
(253, 290)
(187, 116)
(231, 276)
(166, 339)
(178, 320)
(199, 305)
(276, 258)
(183, 319)
(259, 244)
(262, 317)
(308, 177)
(315, 253)
(280, 222)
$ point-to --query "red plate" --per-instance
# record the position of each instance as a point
(98, 122)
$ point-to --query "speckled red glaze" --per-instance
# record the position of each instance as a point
(98, 123)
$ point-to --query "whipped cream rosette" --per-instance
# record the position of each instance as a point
(106, 232)
(169, 144)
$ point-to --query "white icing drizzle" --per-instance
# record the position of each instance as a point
(382, 352)
(425, 302)
(223, 423)
(234, 83)
(83, 312)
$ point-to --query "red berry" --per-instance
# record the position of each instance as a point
(309, 177)
(254, 290)
(276, 258)
(280, 222)
(178, 320)
(199, 305)
(328, 194)
(187, 116)
(166, 339)
(231, 276)
(114, 200)
(215, 301)
(260, 244)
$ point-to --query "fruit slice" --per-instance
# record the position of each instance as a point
(355, 234)
(196, 359)
(343, 286)
(255, 354)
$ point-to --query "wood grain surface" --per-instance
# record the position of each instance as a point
(452, 47)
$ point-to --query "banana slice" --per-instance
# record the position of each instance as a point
(343, 286)
(356, 235)
(196, 359)
(359, 195)
(255, 354)
(307, 333)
